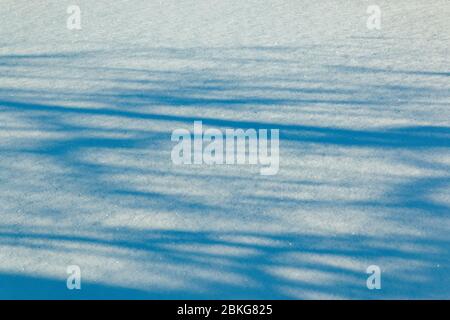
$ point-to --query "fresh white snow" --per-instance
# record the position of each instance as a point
(86, 176)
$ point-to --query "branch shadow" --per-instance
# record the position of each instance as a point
(142, 105)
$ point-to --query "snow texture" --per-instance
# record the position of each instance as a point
(86, 176)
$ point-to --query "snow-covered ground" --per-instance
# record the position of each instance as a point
(86, 176)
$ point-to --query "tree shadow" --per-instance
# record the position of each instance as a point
(250, 264)
(93, 137)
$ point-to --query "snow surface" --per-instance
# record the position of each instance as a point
(86, 176)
